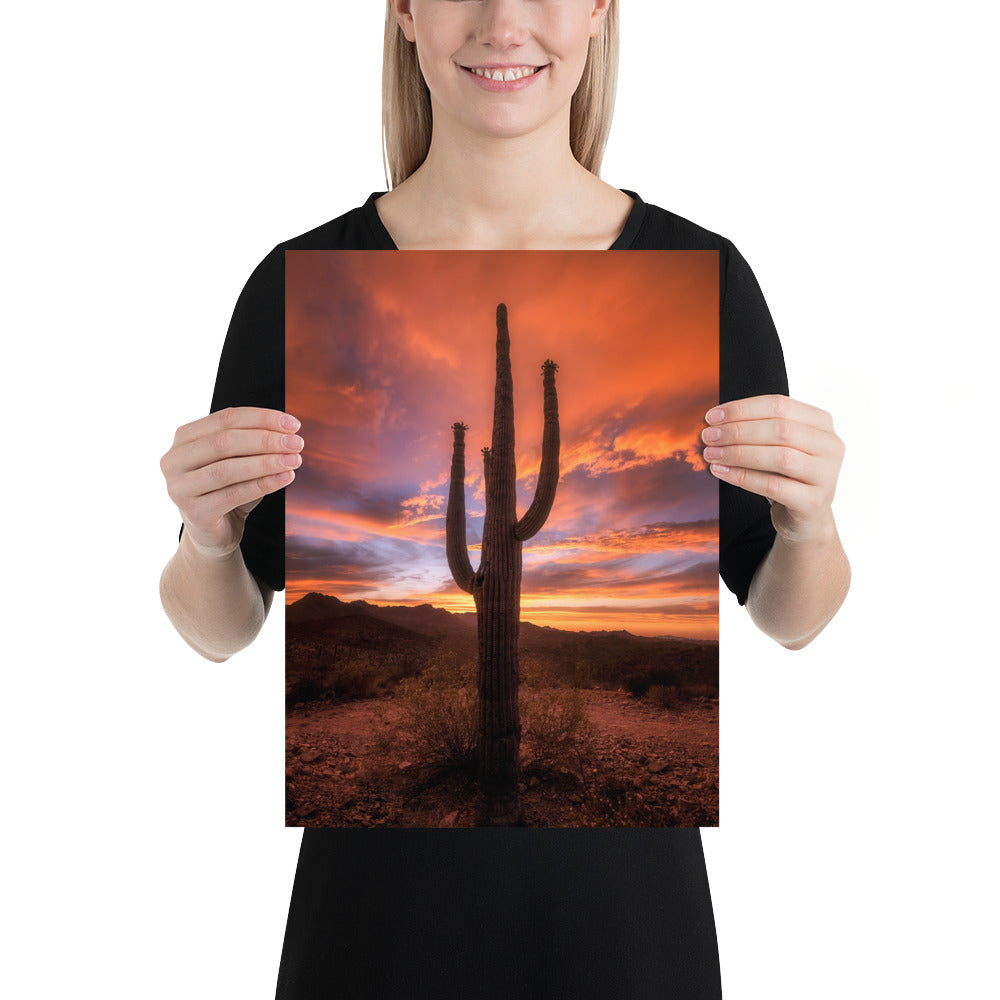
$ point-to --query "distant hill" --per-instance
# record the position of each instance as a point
(354, 648)
(322, 613)
(427, 619)
(424, 618)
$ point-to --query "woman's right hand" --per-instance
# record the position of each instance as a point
(221, 466)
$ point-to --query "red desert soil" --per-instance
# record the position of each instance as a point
(647, 766)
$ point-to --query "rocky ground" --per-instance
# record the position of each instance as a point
(643, 766)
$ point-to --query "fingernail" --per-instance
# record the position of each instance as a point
(292, 441)
(711, 434)
(720, 470)
(711, 453)
(715, 415)
(292, 460)
(289, 423)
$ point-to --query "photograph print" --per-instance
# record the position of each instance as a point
(501, 548)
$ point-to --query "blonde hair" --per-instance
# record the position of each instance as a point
(406, 101)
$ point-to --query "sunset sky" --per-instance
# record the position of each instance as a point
(385, 350)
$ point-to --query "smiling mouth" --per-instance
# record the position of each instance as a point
(504, 73)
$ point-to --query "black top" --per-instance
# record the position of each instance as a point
(503, 914)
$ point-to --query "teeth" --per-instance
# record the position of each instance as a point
(513, 73)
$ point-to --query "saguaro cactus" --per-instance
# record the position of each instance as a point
(496, 585)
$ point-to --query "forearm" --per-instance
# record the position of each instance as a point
(799, 587)
(213, 602)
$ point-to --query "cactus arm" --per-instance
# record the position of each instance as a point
(487, 470)
(548, 473)
(457, 547)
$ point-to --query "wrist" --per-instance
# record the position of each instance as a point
(818, 534)
(194, 551)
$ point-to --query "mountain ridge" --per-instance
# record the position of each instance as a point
(428, 619)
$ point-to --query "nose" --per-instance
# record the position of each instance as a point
(503, 23)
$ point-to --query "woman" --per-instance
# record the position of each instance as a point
(496, 113)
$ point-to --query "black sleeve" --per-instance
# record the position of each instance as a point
(751, 363)
(252, 373)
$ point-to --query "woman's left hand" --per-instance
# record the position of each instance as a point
(781, 449)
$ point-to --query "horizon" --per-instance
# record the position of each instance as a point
(428, 604)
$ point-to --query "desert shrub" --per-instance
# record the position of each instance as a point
(666, 689)
(306, 689)
(701, 690)
(538, 672)
(438, 716)
(352, 679)
(610, 793)
(664, 695)
(554, 721)
(636, 684)
(613, 802)
(583, 673)
(450, 668)
(612, 798)
(671, 695)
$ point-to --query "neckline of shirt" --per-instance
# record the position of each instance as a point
(625, 238)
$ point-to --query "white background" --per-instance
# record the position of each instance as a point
(155, 153)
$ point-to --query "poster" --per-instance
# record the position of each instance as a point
(502, 544)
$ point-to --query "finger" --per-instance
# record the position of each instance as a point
(237, 417)
(784, 461)
(229, 443)
(230, 471)
(784, 433)
(211, 507)
(780, 489)
(773, 406)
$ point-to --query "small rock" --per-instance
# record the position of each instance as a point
(656, 766)
(404, 764)
(304, 811)
(308, 756)
(522, 787)
(575, 798)
(449, 818)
